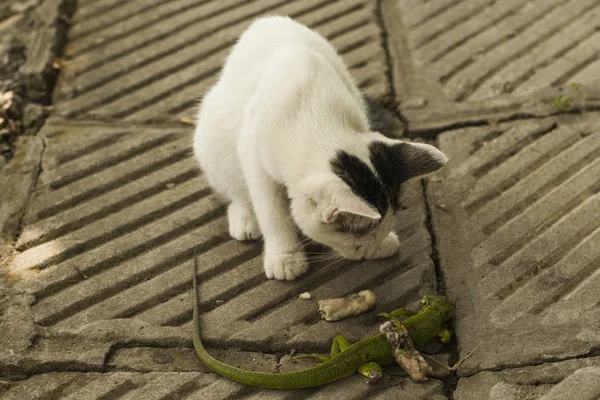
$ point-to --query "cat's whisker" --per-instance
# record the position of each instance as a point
(323, 258)
(410, 199)
(331, 264)
(304, 240)
(304, 244)
(320, 257)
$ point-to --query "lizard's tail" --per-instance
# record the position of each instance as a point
(310, 377)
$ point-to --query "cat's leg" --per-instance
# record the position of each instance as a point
(215, 143)
(388, 247)
(283, 257)
(242, 221)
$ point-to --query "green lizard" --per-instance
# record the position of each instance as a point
(366, 356)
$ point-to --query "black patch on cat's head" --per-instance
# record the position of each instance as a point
(361, 179)
(388, 166)
(393, 164)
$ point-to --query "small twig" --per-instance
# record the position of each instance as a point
(458, 364)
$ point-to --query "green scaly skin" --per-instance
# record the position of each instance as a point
(345, 359)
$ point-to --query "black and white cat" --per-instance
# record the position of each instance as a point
(284, 136)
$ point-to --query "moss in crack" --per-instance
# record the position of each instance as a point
(450, 381)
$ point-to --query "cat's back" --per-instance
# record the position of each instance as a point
(267, 36)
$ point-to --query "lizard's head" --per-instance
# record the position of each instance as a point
(439, 303)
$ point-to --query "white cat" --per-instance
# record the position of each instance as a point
(284, 136)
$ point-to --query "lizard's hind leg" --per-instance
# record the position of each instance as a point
(340, 343)
(371, 370)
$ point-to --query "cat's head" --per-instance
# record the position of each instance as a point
(351, 207)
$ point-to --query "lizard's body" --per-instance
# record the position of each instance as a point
(345, 359)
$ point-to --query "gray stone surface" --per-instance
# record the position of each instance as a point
(152, 60)
(574, 379)
(102, 210)
(106, 249)
(474, 60)
(517, 217)
(197, 385)
(18, 329)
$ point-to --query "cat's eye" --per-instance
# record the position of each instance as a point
(312, 203)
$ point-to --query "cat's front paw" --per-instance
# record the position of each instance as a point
(388, 247)
(285, 266)
(242, 223)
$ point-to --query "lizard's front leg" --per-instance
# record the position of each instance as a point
(445, 334)
(372, 371)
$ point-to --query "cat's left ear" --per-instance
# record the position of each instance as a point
(411, 160)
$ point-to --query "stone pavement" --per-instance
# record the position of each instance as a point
(102, 209)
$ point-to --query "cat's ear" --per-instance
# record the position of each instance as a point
(421, 159)
(345, 201)
(410, 160)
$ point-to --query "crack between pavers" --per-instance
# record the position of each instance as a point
(491, 117)
(450, 382)
(440, 285)
(433, 133)
(390, 69)
(427, 133)
(594, 352)
(106, 369)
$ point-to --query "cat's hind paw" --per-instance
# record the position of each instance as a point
(242, 223)
(286, 266)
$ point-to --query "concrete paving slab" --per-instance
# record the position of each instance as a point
(574, 379)
(152, 61)
(458, 62)
(517, 218)
(105, 253)
(197, 385)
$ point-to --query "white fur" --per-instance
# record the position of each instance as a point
(265, 135)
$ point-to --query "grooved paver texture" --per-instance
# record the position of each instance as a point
(100, 219)
(517, 217)
(476, 59)
(110, 232)
(197, 385)
(566, 380)
(149, 60)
